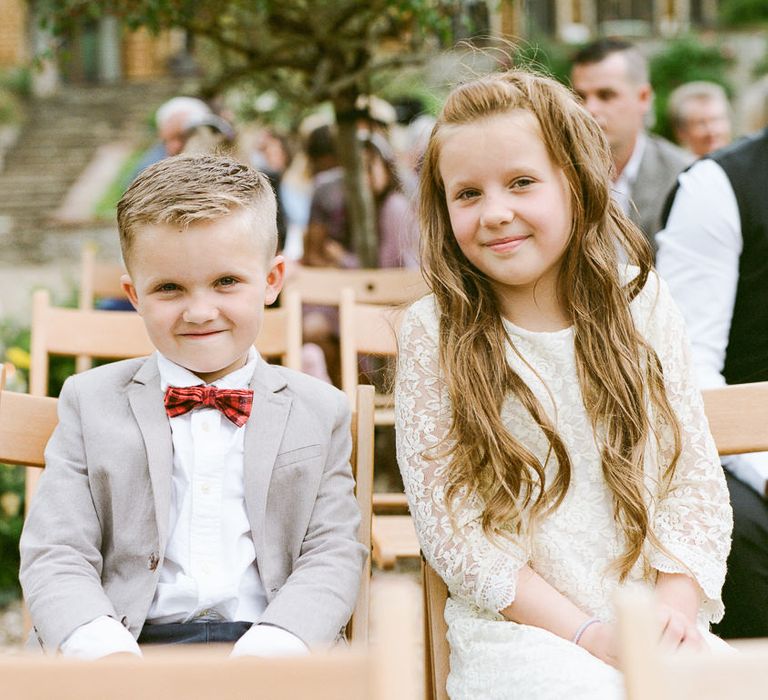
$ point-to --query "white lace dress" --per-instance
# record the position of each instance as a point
(573, 548)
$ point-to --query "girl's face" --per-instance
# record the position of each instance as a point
(509, 204)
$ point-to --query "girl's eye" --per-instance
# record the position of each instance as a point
(467, 194)
(522, 182)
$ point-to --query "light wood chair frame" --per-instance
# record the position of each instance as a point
(371, 329)
(738, 421)
(651, 675)
(323, 285)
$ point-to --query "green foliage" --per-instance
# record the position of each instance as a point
(10, 108)
(682, 61)
(106, 207)
(17, 80)
(738, 13)
(543, 56)
(11, 520)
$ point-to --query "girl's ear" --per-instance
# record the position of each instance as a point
(130, 290)
(275, 279)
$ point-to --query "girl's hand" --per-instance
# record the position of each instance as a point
(677, 631)
(600, 640)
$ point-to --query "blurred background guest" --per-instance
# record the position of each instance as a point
(700, 116)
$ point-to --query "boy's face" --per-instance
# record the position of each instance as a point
(202, 291)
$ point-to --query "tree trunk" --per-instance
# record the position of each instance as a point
(361, 211)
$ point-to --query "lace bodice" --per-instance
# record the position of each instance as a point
(574, 547)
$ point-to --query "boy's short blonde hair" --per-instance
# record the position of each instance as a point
(188, 189)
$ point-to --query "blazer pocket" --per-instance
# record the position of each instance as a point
(298, 455)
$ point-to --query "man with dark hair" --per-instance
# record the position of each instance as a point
(713, 254)
(611, 78)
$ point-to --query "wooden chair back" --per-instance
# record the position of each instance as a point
(98, 279)
(738, 421)
(26, 424)
(362, 470)
(203, 674)
(371, 329)
(383, 671)
(366, 329)
(651, 675)
(738, 417)
(323, 285)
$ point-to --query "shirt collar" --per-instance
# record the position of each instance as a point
(633, 164)
(172, 374)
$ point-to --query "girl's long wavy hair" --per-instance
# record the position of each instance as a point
(619, 373)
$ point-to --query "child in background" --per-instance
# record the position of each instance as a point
(552, 442)
(199, 494)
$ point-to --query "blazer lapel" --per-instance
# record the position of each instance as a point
(146, 403)
(263, 435)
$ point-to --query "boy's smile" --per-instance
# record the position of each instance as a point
(201, 290)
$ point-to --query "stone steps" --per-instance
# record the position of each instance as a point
(59, 138)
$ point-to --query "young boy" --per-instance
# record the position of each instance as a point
(199, 494)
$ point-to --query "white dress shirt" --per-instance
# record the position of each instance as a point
(698, 256)
(209, 571)
(622, 187)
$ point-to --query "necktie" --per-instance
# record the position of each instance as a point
(235, 404)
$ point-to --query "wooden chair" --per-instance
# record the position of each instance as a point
(98, 279)
(651, 675)
(380, 672)
(323, 285)
(362, 469)
(370, 329)
(738, 421)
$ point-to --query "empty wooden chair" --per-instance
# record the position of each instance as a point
(371, 329)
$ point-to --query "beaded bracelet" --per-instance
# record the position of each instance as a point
(583, 628)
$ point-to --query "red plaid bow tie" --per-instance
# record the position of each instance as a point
(235, 404)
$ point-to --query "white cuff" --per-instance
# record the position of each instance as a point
(268, 640)
(97, 638)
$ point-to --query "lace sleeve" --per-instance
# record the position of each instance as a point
(694, 521)
(473, 567)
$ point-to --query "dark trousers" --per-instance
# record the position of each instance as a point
(745, 593)
(193, 632)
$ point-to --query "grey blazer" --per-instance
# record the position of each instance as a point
(95, 538)
(662, 162)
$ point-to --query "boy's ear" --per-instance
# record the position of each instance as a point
(130, 290)
(275, 279)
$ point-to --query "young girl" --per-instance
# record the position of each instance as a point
(552, 442)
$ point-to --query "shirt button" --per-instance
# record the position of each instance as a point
(205, 488)
(205, 427)
(207, 568)
(153, 561)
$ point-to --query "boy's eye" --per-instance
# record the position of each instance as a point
(226, 281)
(168, 287)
